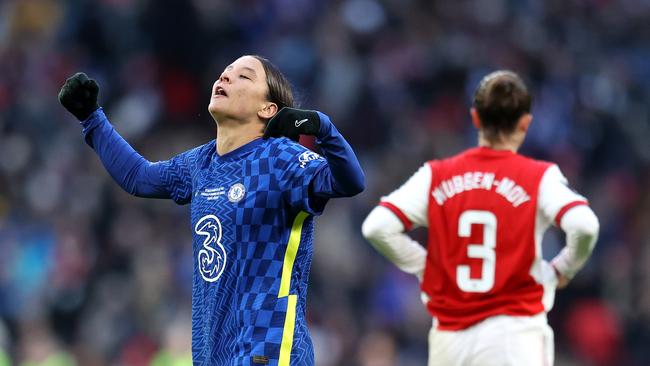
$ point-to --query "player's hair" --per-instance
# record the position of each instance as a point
(500, 100)
(279, 87)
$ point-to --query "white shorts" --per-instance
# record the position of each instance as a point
(497, 341)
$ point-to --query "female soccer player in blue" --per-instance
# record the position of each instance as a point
(253, 192)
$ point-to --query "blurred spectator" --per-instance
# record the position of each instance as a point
(41, 348)
(377, 349)
(594, 333)
(176, 349)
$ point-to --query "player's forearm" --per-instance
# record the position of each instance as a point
(130, 170)
(581, 227)
(385, 232)
(344, 178)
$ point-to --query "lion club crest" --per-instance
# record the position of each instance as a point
(212, 257)
(308, 156)
(236, 192)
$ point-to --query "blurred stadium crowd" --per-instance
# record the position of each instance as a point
(92, 276)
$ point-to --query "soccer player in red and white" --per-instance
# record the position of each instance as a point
(482, 274)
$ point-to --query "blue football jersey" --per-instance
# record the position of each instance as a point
(252, 222)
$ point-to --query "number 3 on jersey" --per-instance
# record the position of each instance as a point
(484, 251)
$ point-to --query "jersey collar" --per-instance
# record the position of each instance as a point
(238, 152)
(484, 150)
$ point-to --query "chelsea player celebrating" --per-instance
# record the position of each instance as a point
(253, 192)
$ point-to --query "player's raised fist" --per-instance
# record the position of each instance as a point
(293, 122)
(79, 95)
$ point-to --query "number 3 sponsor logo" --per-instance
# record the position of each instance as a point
(212, 257)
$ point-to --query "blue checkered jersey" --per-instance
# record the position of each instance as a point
(252, 213)
(252, 221)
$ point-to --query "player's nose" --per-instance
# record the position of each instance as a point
(224, 78)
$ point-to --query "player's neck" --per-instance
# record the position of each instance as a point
(504, 144)
(233, 134)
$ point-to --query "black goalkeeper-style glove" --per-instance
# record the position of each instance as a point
(79, 95)
(293, 122)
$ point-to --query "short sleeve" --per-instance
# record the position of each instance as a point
(410, 202)
(555, 196)
(176, 174)
(296, 167)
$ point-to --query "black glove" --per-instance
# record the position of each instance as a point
(292, 123)
(79, 96)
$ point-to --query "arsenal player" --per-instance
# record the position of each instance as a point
(482, 273)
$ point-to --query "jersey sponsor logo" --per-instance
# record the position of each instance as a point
(470, 181)
(212, 257)
(308, 156)
(236, 192)
(299, 123)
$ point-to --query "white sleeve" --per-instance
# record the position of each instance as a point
(555, 197)
(567, 209)
(581, 227)
(410, 202)
(385, 232)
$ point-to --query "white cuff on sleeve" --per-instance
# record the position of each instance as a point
(581, 227)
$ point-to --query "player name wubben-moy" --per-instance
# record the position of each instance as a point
(469, 181)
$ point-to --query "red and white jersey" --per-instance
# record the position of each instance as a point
(487, 211)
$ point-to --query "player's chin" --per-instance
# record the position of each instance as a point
(216, 107)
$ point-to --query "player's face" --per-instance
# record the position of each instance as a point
(241, 91)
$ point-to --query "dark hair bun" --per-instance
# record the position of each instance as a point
(500, 100)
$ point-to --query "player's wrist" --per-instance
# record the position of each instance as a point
(93, 119)
(561, 268)
(562, 279)
(557, 272)
(93, 115)
(325, 125)
(84, 112)
(90, 124)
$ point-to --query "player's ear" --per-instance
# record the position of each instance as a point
(269, 109)
(475, 120)
(524, 122)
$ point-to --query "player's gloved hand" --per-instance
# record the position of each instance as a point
(293, 122)
(79, 96)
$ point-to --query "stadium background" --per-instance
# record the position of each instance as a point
(88, 273)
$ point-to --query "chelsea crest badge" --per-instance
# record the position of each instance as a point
(236, 192)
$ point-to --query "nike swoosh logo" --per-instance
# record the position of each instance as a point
(298, 123)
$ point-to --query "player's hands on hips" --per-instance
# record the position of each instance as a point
(562, 280)
(293, 122)
(79, 96)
